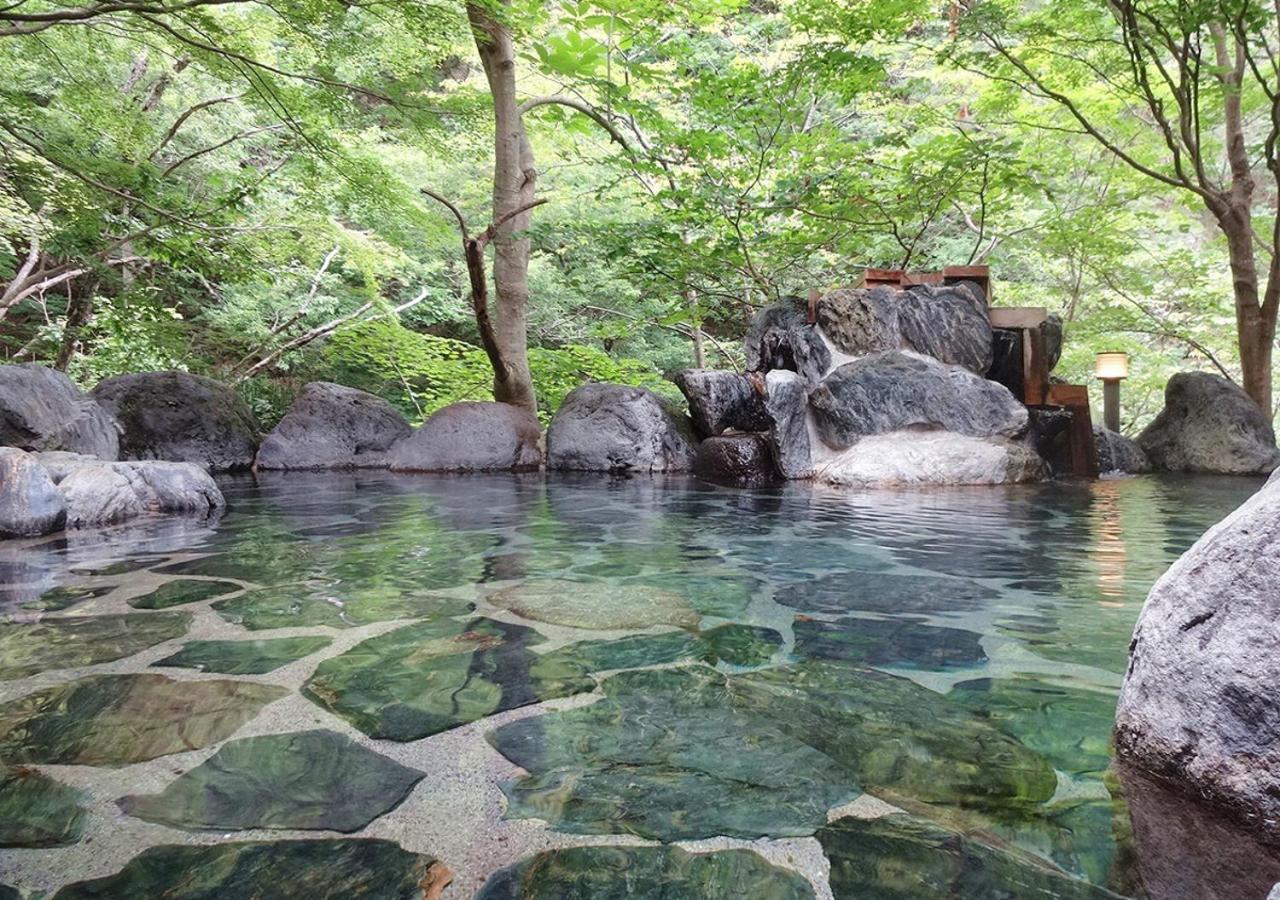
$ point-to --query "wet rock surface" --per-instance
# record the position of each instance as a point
(616, 873)
(787, 403)
(1199, 703)
(780, 337)
(30, 647)
(272, 870)
(736, 459)
(180, 417)
(895, 391)
(472, 437)
(182, 591)
(721, 401)
(30, 504)
(243, 657)
(1209, 424)
(37, 811)
(310, 780)
(42, 409)
(1117, 453)
(611, 428)
(330, 426)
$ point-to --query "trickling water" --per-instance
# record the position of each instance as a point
(780, 652)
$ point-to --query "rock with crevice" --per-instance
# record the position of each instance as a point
(330, 426)
(920, 458)
(30, 504)
(721, 401)
(896, 391)
(781, 337)
(1209, 424)
(1200, 704)
(472, 437)
(619, 429)
(787, 403)
(42, 409)
(180, 417)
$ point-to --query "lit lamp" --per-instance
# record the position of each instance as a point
(1112, 367)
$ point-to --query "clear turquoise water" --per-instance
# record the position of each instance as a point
(744, 662)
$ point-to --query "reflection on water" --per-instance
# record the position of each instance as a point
(724, 662)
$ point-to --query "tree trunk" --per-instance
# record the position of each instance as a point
(514, 180)
(1255, 324)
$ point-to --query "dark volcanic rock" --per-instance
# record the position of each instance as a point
(1048, 435)
(1053, 336)
(950, 324)
(613, 428)
(720, 401)
(737, 458)
(780, 338)
(472, 437)
(30, 504)
(1209, 424)
(787, 403)
(181, 417)
(1200, 703)
(42, 409)
(894, 391)
(333, 427)
(1117, 453)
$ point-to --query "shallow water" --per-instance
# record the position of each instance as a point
(545, 684)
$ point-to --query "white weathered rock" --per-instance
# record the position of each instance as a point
(1209, 424)
(30, 504)
(42, 409)
(472, 437)
(614, 428)
(330, 426)
(915, 458)
(1200, 703)
(98, 493)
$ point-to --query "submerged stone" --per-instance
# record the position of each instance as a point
(617, 873)
(36, 811)
(243, 657)
(898, 857)
(272, 870)
(110, 720)
(595, 605)
(690, 753)
(182, 591)
(884, 592)
(297, 605)
(889, 642)
(311, 780)
(30, 647)
(422, 679)
(61, 598)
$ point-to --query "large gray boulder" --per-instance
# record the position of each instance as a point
(1209, 424)
(100, 493)
(721, 401)
(949, 323)
(787, 403)
(781, 338)
(1200, 704)
(30, 504)
(181, 417)
(895, 391)
(932, 458)
(472, 437)
(330, 426)
(42, 409)
(613, 428)
(1117, 453)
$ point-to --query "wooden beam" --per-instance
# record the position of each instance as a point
(1018, 316)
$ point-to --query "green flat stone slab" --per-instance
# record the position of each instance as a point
(691, 753)
(36, 811)
(271, 870)
(182, 590)
(595, 605)
(629, 873)
(30, 647)
(110, 720)
(426, 678)
(252, 657)
(297, 605)
(66, 597)
(898, 857)
(741, 645)
(310, 780)
(889, 642)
